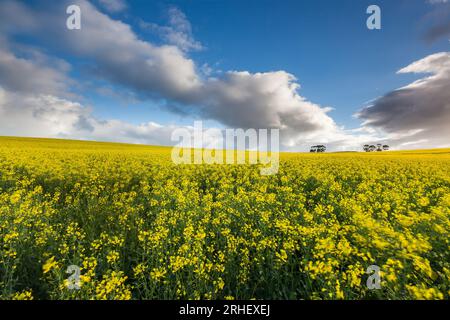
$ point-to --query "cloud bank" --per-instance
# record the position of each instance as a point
(419, 113)
(39, 115)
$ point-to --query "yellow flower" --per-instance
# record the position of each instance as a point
(113, 287)
(282, 255)
(24, 295)
(112, 256)
(422, 293)
(139, 269)
(222, 231)
(49, 265)
(158, 273)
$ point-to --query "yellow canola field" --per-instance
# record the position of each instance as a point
(140, 227)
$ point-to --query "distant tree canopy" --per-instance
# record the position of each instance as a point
(318, 148)
(378, 147)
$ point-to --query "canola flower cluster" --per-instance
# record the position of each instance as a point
(140, 227)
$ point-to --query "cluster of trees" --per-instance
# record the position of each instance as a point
(378, 147)
(318, 148)
(367, 148)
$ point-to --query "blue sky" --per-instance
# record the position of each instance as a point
(325, 44)
(336, 60)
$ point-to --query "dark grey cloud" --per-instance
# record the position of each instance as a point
(438, 31)
(419, 111)
(437, 22)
